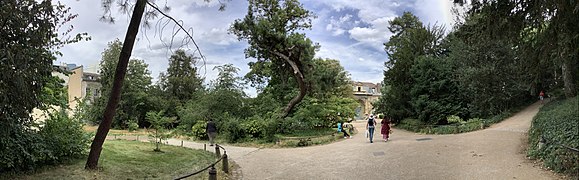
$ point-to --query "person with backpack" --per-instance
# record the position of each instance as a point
(211, 130)
(370, 126)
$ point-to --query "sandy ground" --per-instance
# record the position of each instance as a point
(494, 153)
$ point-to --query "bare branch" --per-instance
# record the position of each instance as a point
(180, 26)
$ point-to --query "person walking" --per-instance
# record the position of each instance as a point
(385, 129)
(370, 125)
(211, 130)
(542, 96)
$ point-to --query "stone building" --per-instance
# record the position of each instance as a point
(366, 93)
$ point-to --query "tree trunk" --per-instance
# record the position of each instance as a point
(105, 125)
(297, 73)
(568, 79)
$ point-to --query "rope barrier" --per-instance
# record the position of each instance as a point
(209, 166)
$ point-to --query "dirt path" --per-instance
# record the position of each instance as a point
(493, 153)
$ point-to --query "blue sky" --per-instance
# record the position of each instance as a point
(351, 31)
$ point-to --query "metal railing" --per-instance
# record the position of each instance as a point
(212, 171)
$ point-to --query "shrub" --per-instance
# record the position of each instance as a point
(132, 126)
(64, 137)
(556, 122)
(452, 119)
(231, 128)
(255, 127)
(199, 130)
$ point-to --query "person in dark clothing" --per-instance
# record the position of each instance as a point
(211, 130)
(343, 129)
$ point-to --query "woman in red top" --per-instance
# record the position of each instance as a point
(385, 130)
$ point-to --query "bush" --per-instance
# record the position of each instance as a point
(199, 130)
(231, 128)
(557, 123)
(255, 127)
(132, 126)
(452, 119)
(64, 137)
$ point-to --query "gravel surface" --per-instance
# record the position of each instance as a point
(493, 153)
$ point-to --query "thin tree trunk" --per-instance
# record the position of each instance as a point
(105, 125)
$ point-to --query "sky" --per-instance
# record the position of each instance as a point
(351, 31)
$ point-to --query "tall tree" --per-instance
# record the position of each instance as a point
(410, 40)
(557, 19)
(115, 95)
(132, 108)
(29, 40)
(133, 29)
(272, 28)
(181, 80)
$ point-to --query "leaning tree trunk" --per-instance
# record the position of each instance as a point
(105, 125)
(568, 79)
(299, 77)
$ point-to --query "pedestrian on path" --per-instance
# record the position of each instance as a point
(211, 130)
(342, 128)
(370, 125)
(385, 129)
(542, 96)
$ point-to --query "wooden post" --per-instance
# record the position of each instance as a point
(181, 143)
(212, 173)
(225, 163)
(205, 147)
(217, 152)
(137, 137)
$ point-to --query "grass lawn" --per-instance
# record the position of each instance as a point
(130, 160)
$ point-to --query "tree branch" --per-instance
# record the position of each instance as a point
(180, 26)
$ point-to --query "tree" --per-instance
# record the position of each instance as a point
(158, 122)
(132, 107)
(29, 42)
(121, 69)
(410, 41)
(271, 29)
(181, 80)
(556, 19)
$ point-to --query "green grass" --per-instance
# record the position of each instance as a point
(558, 123)
(129, 160)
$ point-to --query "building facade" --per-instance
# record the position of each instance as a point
(79, 84)
(365, 93)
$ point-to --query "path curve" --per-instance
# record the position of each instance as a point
(493, 153)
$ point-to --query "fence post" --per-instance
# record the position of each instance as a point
(115, 137)
(137, 137)
(205, 147)
(217, 152)
(212, 173)
(181, 143)
(225, 163)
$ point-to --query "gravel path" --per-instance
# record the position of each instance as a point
(494, 153)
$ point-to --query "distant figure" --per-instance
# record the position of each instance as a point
(211, 130)
(541, 96)
(342, 128)
(370, 125)
(385, 130)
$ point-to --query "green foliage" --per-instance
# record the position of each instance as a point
(159, 123)
(181, 81)
(29, 41)
(199, 130)
(325, 112)
(453, 119)
(135, 91)
(132, 126)
(231, 128)
(64, 137)
(435, 95)
(283, 54)
(557, 123)
(410, 41)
